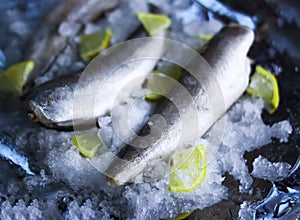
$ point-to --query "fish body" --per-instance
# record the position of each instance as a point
(52, 38)
(226, 54)
(52, 103)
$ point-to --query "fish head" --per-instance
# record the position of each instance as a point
(51, 103)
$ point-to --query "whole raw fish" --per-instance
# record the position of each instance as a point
(226, 54)
(62, 22)
(52, 103)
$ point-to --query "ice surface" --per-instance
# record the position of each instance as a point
(68, 29)
(68, 165)
(187, 15)
(264, 169)
(203, 28)
(163, 6)
(246, 211)
(18, 22)
(66, 63)
(245, 131)
(20, 28)
(178, 34)
(21, 211)
(123, 20)
(189, 25)
(66, 185)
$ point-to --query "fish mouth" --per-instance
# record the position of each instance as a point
(28, 107)
(112, 182)
(35, 114)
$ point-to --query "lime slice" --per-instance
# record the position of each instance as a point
(13, 79)
(206, 37)
(91, 45)
(181, 216)
(153, 23)
(158, 82)
(6, 86)
(87, 144)
(264, 85)
(188, 169)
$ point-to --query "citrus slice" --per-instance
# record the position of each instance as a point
(87, 144)
(183, 215)
(159, 83)
(205, 38)
(13, 79)
(153, 23)
(188, 169)
(263, 84)
(91, 45)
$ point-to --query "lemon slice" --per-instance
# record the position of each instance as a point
(205, 38)
(264, 85)
(188, 169)
(181, 216)
(91, 45)
(153, 23)
(158, 82)
(13, 79)
(87, 144)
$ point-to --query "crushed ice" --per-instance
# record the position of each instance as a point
(66, 179)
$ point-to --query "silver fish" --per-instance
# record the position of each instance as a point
(52, 103)
(226, 54)
(64, 21)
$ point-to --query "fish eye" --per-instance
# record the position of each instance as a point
(31, 116)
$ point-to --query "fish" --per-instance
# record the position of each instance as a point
(52, 103)
(226, 54)
(63, 22)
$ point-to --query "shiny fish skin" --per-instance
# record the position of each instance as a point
(226, 53)
(50, 41)
(40, 101)
(52, 103)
